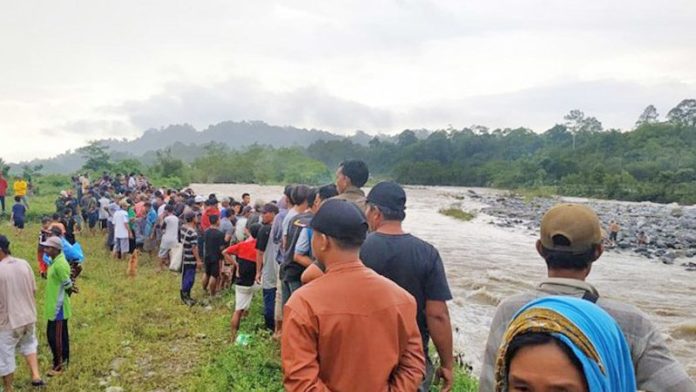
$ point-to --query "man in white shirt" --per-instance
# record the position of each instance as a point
(17, 316)
(170, 236)
(122, 231)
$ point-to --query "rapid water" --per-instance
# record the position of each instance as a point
(486, 263)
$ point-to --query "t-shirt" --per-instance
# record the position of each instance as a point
(205, 219)
(103, 208)
(120, 219)
(291, 270)
(171, 229)
(239, 229)
(264, 243)
(214, 244)
(3, 187)
(263, 237)
(303, 245)
(20, 188)
(226, 226)
(413, 264)
(17, 289)
(190, 240)
(246, 259)
(286, 221)
(19, 212)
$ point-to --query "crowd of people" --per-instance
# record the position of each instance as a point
(354, 299)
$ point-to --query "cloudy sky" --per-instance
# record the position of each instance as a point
(79, 70)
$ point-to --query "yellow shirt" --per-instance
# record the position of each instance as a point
(20, 188)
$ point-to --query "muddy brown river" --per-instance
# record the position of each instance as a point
(486, 263)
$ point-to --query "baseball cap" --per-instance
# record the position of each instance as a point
(4, 244)
(578, 223)
(53, 242)
(389, 195)
(340, 219)
(269, 207)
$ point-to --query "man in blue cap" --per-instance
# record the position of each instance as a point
(351, 330)
(416, 266)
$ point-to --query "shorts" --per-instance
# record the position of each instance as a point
(19, 223)
(121, 245)
(212, 268)
(164, 249)
(243, 296)
(22, 339)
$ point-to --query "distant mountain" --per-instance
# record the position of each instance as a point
(184, 138)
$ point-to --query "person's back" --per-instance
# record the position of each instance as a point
(360, 332)
(171, 229)
(17, 287)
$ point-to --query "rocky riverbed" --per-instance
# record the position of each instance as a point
(670, 229)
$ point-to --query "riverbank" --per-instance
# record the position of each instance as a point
(133, 334)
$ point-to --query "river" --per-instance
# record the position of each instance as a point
(486, 263)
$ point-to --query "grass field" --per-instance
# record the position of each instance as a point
(135, 334)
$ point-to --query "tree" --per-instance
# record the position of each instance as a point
(31, 172)
(576, 123)
(649, 116)
(96, 156)
(684, 113)
(4, 168)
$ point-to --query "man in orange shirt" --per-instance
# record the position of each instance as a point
(352, 329)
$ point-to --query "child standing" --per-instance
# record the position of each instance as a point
(248, 276)
(19, 212)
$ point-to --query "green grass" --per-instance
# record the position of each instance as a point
(457, 213)
(134, 333)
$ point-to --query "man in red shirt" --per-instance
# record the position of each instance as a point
(211, 208)
(3, 191)
(245, 284)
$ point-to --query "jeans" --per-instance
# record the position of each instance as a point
(269, 308)
(188, 277)
(289, 287)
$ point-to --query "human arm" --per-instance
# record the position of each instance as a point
(410, 372)
(259, 265)
(299, 352)
(440, 327)
(302, 249)
(312, 272)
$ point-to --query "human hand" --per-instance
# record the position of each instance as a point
(445, 378)
(258, 278)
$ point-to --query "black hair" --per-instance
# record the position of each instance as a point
(254, 230)
(45, 219)
(299, 194)
(17, 198)
(56, 231)
(169, 208)
(356, 170)
(346, 243)
(556, 259)
(389, 214)
(245, 195)
(326, 192)
(311, 197)
(55, 216)
(533, 339)
(213, 219)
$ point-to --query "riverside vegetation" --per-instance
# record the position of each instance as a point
(133, 334)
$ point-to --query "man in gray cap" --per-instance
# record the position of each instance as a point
(17, 316)
(416, 266)
(351, 330)
(57, 309)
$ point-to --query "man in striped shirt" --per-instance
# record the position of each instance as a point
(191, 259)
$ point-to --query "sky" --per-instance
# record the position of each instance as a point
(74, 71)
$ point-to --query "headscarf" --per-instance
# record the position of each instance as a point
(590, 332)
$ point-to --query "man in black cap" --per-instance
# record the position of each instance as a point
(351, 330)
(416, 266)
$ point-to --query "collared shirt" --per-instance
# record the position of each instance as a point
(656, 368)
(351, 330)
(17, 287)
(354, 194)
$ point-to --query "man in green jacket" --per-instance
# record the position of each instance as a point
(57, 308)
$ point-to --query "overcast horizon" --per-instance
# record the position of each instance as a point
(73, 72)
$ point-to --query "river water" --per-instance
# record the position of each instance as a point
(486, 263)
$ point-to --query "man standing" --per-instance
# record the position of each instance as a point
(3, 191)
(57, 309)
(350, 177)
(122, 231)
(570, 242)
(266, 264)
(214, 244)
(17, 316)
(191, 260)
(416, 266)
(351, 330)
